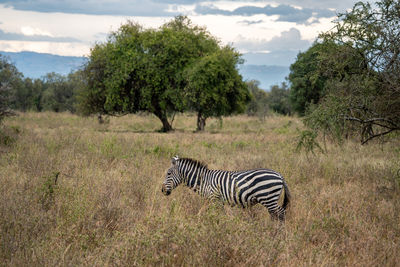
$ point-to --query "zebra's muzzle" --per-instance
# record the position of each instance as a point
(164, 190)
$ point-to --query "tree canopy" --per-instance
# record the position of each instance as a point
(258, 104)
(10, 78)
(307, 81)
(362, 67)
(215, 88)
(278, 99)
(141, 69)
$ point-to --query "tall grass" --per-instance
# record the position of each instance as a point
(73, 192)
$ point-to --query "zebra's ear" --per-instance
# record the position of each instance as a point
(174, 160)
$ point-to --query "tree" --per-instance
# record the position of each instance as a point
(306, 80)
(142, 69)
(215, 88)
(53, 92)
(258, 104)
(10, 78)
(22, 95)
(363, 70)
(58, 93)
(37, 87)
(4, 102)
(75, 83)
(278, 99)
(91, 98)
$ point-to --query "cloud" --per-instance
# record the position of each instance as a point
(184, 2)
(101, 35)
(45, 27)
(280, 50)
(93, 7)
(276, 58)
(287, 40)
(284, 12)
(250, 22)
(338, 5)
(31, 35)
(56, 48)
(154, 8)
(28, 30)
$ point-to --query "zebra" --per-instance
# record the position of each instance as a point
(243, 188)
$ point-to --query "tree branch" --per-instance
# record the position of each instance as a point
(378, 135)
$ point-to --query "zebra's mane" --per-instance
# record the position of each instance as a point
(196, 162)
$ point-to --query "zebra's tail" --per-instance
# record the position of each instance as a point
(286, 200)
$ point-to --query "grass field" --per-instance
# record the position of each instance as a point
(74, 192)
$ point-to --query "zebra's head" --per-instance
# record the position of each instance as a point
(173, 177)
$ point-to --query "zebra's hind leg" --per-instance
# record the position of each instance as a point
(277, 212)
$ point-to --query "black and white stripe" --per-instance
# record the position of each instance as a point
(244, 188)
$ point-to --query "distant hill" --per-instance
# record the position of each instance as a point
(36, 65)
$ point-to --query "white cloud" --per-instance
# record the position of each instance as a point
(339, 5)
(63, 49)
(181, 9)
(279, 50)
(229, 28)
(94, 7)
(232, 5)
(30, 31)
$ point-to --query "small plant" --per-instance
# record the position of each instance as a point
(8, 135)
(397, 179)
(47, 190)
(103, 119)
(5, 139)
(307, 141)
(110, 147)
(163, 150)
(240, 144)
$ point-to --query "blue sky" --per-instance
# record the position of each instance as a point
(266, 32)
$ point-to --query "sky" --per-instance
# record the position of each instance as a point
(266, 32)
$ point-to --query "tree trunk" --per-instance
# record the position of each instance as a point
(166, 126)
(100, 119)
(164, 120)
(201, 122)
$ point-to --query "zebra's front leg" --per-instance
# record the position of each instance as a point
(215, 197)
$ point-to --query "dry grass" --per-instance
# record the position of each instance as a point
(106, 207)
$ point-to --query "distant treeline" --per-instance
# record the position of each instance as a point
(60, 93)
(53, 92)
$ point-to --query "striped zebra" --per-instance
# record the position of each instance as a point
(243, 188)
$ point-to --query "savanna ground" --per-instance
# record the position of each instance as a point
(74, 192)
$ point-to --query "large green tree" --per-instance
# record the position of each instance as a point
(215, 88)
(362, 66)
(143, 69)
